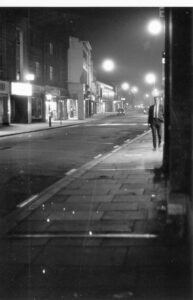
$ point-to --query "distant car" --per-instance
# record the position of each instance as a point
(120, 112)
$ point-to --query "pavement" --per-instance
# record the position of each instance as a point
(101, 232)
(19, 128)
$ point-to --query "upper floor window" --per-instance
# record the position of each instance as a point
(51, 48)
(37, 65)
(51, 73)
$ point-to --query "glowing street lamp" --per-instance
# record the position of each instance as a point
(155, 92)
(29, 77)
(150, 78)
(134, 89)
(125, 86)
(154, 27)
(108, 65)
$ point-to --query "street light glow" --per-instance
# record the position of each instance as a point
(108, 65)
(49, 97)
(30, 77)
(125, 86)
(134, 89)
(154, 27)
(155, 92)
(150, 78)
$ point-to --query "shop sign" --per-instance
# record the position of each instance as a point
(21, 89)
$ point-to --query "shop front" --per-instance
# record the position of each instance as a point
(72, 109)
(21, 108)
(38, 107)
(4, 103)
(56, 104)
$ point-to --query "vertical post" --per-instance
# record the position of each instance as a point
(81, 108)
(50, 116)
(29, 109)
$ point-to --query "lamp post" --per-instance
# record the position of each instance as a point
(49, 98)
(150, 79)
(29, 77)
(134, 90)
(156, 27)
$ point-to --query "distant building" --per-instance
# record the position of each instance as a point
(105, 97)
(33, 61)
(80, 78)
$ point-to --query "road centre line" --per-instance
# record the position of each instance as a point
(99, 155)
(86, 235)
(24, 203)
(71, 171)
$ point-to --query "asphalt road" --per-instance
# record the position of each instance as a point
(33, 161)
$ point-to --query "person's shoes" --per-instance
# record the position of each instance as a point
(154, 149)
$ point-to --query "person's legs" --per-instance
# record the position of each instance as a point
(153, 128)
(159, 132)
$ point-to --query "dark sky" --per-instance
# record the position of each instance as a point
(121, 33)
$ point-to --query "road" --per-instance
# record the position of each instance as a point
(33, 161)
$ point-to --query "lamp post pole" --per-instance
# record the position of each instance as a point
(49, 97)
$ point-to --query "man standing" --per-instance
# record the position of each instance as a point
(155, 120)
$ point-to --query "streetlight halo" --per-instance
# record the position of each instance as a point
(125, 86)
(150, 78)
(134, 89)
(108, 65)
(154, 27)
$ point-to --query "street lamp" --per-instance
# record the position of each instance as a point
(49, 98)
(134, 89)
(29, 77)
(150, 78)
(108, 65)
(125, 86)
(154, 27)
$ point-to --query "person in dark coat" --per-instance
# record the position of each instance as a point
(155, 120)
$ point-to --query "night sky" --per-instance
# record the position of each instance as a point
(120, 33)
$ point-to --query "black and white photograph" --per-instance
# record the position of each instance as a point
(96, 151)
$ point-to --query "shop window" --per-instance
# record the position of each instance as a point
(36, 108)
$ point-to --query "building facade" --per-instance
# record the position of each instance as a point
(105, 95)
(81, 86)
(33, 62)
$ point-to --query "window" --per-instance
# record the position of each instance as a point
(51, 73)
(37, 64)
(51, 49)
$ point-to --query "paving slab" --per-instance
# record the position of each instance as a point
(125, 215)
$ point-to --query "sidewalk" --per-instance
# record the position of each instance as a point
(17, 128)
(99, 233)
